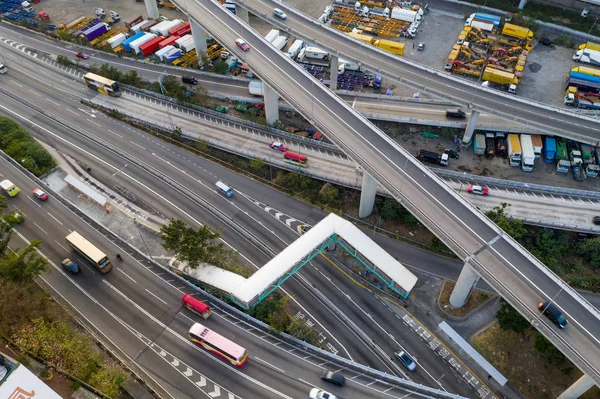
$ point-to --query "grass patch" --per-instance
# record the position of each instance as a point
(527, 365)
(476, 298)
(22, 147)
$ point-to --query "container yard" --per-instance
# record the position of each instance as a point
(491, 50)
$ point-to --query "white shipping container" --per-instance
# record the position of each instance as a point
(280, 42)
(403, 14)
(159, 25)
(164, 30)
(182, 40)
(137, 27)
(272, 35)
(163, 51)
(116, 40)
(315, 52)
(135, 45)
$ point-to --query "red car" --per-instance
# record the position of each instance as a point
(478, 190)
(277, 146)
(241, 43)
(79, 54)
(39, 194)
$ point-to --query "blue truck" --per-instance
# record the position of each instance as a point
(549, 149)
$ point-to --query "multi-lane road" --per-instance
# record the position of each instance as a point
(506, 266)
(132, 293)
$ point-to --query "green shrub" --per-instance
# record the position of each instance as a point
(23, 148)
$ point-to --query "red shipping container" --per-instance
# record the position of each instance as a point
(168, 41)
(150, 46)
(181, 30)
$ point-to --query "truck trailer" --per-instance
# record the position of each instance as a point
(587, 71)
(482, 24)
(314, 56)
(501, 147)
(509, 80)
(586, 56)
(549, 150)
(479, 144)
(403, 14)
(272, 35)
(390, 46)
(517, 31)
(295, 48)
(538, 145)
(528, 157)
(95, 31)
(589, 46)
(280, 42)
(514, 150)
(490, 145)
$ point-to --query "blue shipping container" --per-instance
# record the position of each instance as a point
(95, 31)
(126, 43)
(488, 17)
(584, 76)
(549, 149)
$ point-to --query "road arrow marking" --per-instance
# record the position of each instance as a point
(216, 392)
(202, 382)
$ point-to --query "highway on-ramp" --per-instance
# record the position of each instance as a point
(505, 265)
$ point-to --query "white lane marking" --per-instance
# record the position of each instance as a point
(53, 102)
(59, 244)
(137, 145)
(38, 226)
(269, 365)
(52, 216)
(116, 134)
(155, 296)
(34, 201)
(128, 276)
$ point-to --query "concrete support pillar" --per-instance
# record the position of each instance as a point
(271, 100)
(199, 35)
(471, 126)
(151, 8)
(242, 13)
(334, 73)
(467, 279)
(578, 388)
(522, 4)
(367, 195)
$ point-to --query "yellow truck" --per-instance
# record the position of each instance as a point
(363, 38)
(9, 188)
(589, 46)
(517, 31)
(586, 70)
(390, 46)
(500, 77)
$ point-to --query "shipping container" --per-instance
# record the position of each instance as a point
(169, 41)
(116, 40)
(181, 30)
(150, 46)
(128, 41)
(390, 46)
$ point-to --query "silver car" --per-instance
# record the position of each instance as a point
(405, 360)
(278, 13)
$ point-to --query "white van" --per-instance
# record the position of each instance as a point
(224, 189)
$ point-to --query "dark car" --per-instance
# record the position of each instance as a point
(451, 153)
(456, 113)
(189, 80)
(596, 220)
(552, 312)
(70, 266)
(333, 377)
(544, 41)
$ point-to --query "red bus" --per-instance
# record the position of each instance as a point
(295, 159)
(218, 345)
(196, 306)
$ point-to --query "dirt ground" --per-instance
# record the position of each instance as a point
(61, 385)
(513, 355)
(475, 299)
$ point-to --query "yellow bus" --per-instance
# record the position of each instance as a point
(102, 85)
(92, 254)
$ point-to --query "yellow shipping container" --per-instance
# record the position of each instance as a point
(364, 38)
(586, 70)
(517, 31)
(391, 46)
(500, 77)
(590, 46)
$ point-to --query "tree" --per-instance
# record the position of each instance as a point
(221, 67)
(23, 264)
(272, 311)
(328, 193)
(590, 250)
(131, 78)
(193, 246)
(512, 227)
(510, 319)
(299, 329)
(176, 134)
(547, 350)
(204, 59)
(390, 208)
(257, 164)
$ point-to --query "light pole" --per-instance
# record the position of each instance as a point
(32, 160)
(164, 93)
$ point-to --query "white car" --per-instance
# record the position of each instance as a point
(317, 393)
(278, 13)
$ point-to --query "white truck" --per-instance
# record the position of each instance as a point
(587, 56)
(255, 88)
(280, 42)
(344, 65)
(295, 48)
(313, 55)
(528, 158)
(272, 35)
(403, 14)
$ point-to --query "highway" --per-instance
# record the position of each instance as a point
(506, 266)
(53, 91)
(505, 106)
